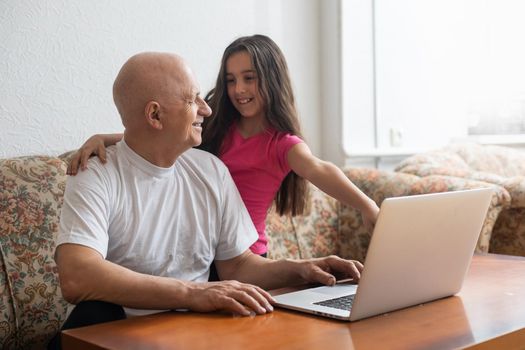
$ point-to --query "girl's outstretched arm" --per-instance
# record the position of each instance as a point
(331, 180)
(95, 145)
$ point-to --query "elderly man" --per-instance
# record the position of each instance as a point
(142, 230)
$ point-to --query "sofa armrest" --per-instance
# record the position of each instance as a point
(354, 238)
(515, 185)
(33, 309)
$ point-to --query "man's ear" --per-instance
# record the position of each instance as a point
(152, 113)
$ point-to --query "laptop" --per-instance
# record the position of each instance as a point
(420, 251)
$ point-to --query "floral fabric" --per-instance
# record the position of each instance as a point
(501, 166)
(509, 233)
(335, 228)
(32, 306)
(282, 240)
(313, 234)
(317, 230)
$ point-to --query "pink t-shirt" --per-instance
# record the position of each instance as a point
(258, 165)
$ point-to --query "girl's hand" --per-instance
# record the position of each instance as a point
(93, 146)
(370, 215)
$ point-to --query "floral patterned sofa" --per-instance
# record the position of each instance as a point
(32, 308)
(335, 228)
(502, 166)
(31, 305)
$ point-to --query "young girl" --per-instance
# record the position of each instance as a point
(254, 130)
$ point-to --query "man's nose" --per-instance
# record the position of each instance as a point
(204, 109)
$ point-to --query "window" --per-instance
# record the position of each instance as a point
(418, 74)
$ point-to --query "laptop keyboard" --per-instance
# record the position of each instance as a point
(342, 303)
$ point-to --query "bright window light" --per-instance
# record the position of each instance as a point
(442, 70)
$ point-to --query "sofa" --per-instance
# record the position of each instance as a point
(32, 308)
(496, 165)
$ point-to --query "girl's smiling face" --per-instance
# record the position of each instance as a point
(242, 86)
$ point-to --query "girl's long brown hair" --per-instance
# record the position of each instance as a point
(276, 89)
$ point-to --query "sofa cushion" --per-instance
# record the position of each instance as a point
(504, 161)
(498, 165)
(32, 307)
(282, 238)
(464, 158)
(434, 163)
(317, 230)
(355, 238)
(313, 234)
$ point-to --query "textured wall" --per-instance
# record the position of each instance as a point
(59, 58)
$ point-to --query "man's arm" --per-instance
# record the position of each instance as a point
(271, 274)
(86, 275)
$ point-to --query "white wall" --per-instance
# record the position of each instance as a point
(59, 59)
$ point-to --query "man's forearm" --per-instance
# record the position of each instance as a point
(84, 275)
(271, 274)
(265, 273)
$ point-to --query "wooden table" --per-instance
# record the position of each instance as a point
(488, 313)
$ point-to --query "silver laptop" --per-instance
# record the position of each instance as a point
(420, 251)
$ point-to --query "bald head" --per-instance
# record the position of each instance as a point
(148, 76)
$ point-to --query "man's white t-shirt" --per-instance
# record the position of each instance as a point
(170, 222)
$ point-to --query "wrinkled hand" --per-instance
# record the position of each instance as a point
(232, 296)
(330, 269)
(93, 146)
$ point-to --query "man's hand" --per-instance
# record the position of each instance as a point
(232, 296)
(329, 269)
(272, 274)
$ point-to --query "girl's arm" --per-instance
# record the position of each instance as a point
(331, 180)
(95, 145)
